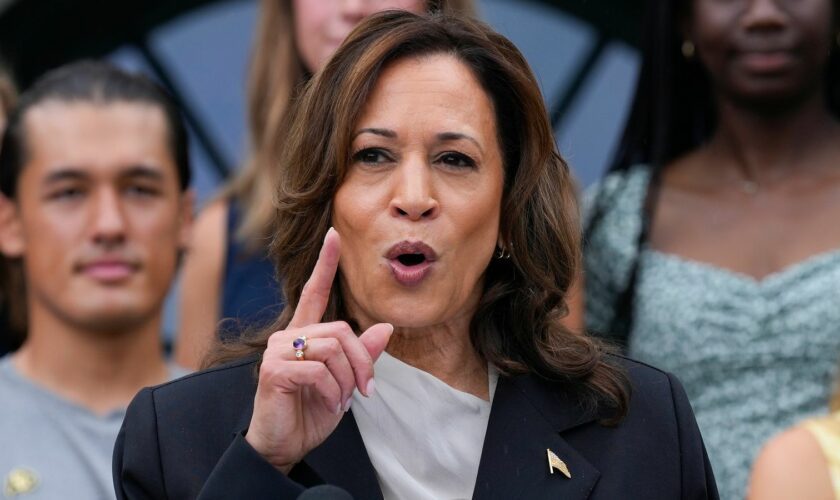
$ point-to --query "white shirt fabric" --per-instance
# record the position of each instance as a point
(423, 437)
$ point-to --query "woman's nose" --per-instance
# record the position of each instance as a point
(413, 195)
(763, 15)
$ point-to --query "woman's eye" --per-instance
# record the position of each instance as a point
(456, 160)
(371, 155)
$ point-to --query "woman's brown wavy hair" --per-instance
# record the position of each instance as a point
(517, 326)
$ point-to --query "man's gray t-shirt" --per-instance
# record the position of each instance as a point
(63, 448)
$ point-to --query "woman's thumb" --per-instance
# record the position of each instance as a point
(376, 338)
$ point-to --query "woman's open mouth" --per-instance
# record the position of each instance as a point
(411, 261)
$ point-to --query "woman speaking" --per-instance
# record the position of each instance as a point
(427, 233)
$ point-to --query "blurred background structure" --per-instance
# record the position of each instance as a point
(583, 52)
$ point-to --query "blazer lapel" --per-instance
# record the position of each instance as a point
(525, 420)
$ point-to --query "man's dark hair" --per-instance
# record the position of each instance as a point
(88, 82)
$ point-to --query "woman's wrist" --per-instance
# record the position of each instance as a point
(256, 444)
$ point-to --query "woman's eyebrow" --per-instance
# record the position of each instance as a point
(384, 132)
(456, 136)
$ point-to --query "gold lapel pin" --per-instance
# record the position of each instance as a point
(554, 462)
(19, 482)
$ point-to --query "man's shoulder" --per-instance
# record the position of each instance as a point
(8, 382)
(28, 402)
(19, 392)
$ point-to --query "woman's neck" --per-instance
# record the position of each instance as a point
(768, 147)
(444, 351)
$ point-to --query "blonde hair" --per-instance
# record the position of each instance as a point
(276, 73)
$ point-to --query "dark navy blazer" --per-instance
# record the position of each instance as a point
(185, 439)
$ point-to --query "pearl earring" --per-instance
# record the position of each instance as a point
(687, 49)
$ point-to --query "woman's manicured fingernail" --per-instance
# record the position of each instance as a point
(338, 409)
(347, 404)
(371, 388)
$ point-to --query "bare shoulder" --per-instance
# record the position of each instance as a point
(207, 246)
(201, 284)
(684, 171)
(791, 465)
(212, 221)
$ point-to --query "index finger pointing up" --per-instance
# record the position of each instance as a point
(316, 292)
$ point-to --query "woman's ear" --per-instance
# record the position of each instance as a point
(12, 243)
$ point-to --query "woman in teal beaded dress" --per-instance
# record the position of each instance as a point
(713, 244)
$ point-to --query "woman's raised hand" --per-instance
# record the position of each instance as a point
(299, 402)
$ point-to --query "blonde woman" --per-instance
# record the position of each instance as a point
(226, 273)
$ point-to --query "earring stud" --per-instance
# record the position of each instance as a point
(687, 49)
(502, 253)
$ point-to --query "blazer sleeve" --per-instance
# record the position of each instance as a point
(136, 465)
(698, 480)
(139, 474)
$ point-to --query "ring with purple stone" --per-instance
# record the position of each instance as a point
(300, 345)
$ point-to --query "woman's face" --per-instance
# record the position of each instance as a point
(418, 211)
(321, 25)
(757, 50)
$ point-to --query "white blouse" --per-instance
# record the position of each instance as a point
(423, 437)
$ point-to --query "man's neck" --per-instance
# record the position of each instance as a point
(98, 370)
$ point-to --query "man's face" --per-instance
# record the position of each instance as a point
(99, 217)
